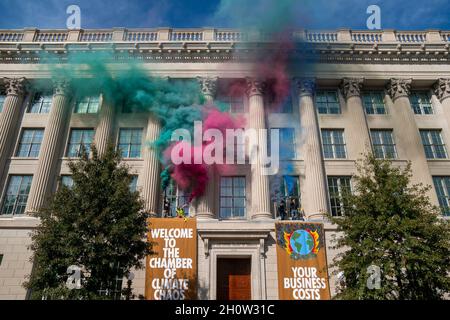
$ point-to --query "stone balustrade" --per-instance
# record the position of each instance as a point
(221, 35)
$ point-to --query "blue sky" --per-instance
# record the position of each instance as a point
(317, 14)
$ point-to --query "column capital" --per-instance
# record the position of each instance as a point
(255, 86)
(351, 87)
(305, 86)
(61, 87)
(442, 88)
(208, 85)
(399, 88)
(15, 86)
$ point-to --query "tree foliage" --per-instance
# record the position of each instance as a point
(98, 224)
(391, 224)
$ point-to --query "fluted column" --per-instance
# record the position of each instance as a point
(407, 135)
(9, 117)
(151, 175)
(259, 181)
(314, 190)
(104, 131)
(205, 206)
(357, 129)
(51, 146)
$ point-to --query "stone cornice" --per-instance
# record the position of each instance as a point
(217, 45)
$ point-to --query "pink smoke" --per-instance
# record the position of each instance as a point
(274, 67)
(192, 176)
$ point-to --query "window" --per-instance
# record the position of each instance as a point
(286, 143)
(286, 187)
(283, 105)
(337, 187)
(232, 197)
(442, 186)
(421, 102)
(233, 102)
(16, 196)
(67, 181)
(433, 144)
(78, 138)
(327, 102)
(113, 286)
(30, 143)
(374, 102)
(133, 183)
(1, 259)
(130, 141)
(87, 105)
(41, 103)
(2, 101)
(333, 143)
(383, 144)
(175, 198)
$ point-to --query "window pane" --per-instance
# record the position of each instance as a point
(67, 181)
(130, 141)
(442, 186)
(421, 102)
(383, 144)
(16, 196)
(333, 143)
(2, 101)
(433, 144)
(337, 187)
(232, 197)
(30, 143)
(79, 138)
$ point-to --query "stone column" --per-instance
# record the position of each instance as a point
(315, 193)
(104, 131)
(50, 150)
(205, 207)
(9, 117)
(357, 130)
(151, 175)
(407, 133)
(259, 182)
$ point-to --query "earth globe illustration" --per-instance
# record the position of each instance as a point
(301, 242)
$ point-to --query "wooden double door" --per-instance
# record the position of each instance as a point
(234, 279)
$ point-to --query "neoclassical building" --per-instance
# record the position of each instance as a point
(353, 91)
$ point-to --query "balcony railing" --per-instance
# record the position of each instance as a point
(220, 35)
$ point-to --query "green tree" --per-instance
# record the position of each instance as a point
(98, 224)
(391, 224)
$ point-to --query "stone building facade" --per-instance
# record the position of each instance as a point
(353, 91)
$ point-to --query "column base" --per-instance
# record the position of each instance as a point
(204, 215)
(153, 215)
(262, 216)
(319, 216)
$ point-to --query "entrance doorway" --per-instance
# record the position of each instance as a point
(234, 279)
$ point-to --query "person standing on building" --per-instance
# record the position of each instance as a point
(293, 208)
(166, 207)
(282, 209)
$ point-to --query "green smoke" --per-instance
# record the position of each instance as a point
(175, 103)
